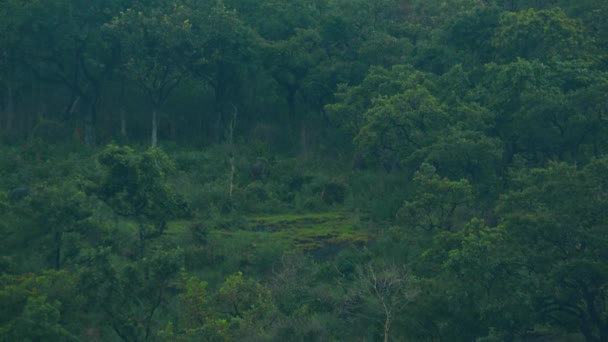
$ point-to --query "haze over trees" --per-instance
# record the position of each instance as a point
(308, 170)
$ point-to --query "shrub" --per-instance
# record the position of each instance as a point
(333, 192)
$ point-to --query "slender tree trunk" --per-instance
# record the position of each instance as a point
(154, 127)
(89, 127)
(155, 306)
(123, 122)
(10, 108)
(232, 167)
(303, 139)
(173, 129)
(231, 186)
(89, 107)
(123, 110)
(75, 101)
(142, 236)
(142, 242)
(291, 101)
(161, 228)
(218, 126)
(387, 327)
(220, 88)
(57, 250)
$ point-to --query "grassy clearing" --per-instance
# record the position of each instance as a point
(254, 244)
(303, 232)
(308, 232)
(259, 244)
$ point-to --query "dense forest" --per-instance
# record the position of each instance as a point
(304, 170)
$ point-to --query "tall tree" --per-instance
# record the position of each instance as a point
(11, 69)
(63, 45)
(540, 34)
(156, 42)
(57, 223)
(135, 186)
(226, 52)
(546, 110)
(556, 217)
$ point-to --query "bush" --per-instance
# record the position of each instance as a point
(199, 232)
(334, 192)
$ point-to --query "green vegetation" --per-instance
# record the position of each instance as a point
(307, 170)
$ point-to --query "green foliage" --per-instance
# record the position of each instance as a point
(538, 120)
(333, 192)
(471, 33)
(397, 126)
(380, 170)
(39, 321)
(354, 101)
(155, 41)
(556, 217)
(438, 204)
(135, 186)
(249, 306)
(32, 306)
(540, 34)
(131, 295)
(58, 222)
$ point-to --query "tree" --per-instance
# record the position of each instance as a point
(131, 297)
(11, 69)
(385, 291)
(39, 321)
(556, 217)
(56, 226)
(59, 211)
(290, 62)
(471, 33)
(135, 186)
(225, 54)
(438, 204)
(540, 110)
(543, 34)
(61, 43)
(36, 306)
(198, 316)
(248, 305)
(157, 42)
(398, 127)
(473, 285)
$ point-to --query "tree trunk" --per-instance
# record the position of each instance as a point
(291, 101)
(303, 139)
(387, 318)
(161, 228)
(89, 131)
(10, 108)
(89, 127)
(387, 327)
(57, 250)
(142, 236)
(232, 168)
(123, 122)
(220, 89)
(154, 127)
(142, 242)
(172, 128)
(231, 181)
